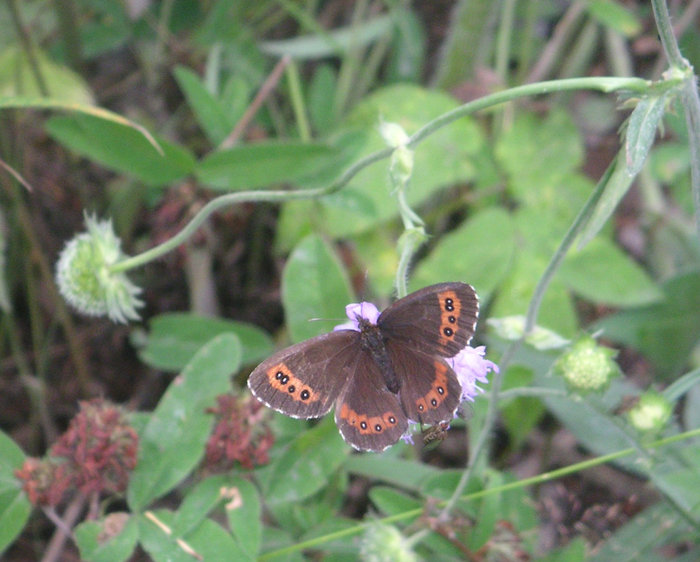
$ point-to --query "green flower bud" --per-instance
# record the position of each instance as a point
(587, 366)
(651, 413)
(84, 277)
(385, 543)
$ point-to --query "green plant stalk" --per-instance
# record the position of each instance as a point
(297, 98)
(28, 46)
(691, 100)
(534, 480)
(505, 32)
(605, 84)
(530, 320)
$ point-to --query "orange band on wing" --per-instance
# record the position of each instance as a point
(450, 308)
(438, 390)
(367, 425)
(283, 380)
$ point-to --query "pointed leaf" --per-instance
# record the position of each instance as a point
(641, 130)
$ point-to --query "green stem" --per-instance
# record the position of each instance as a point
(530, 320)
(668, 39)
(534, 480)
(596, 83)
(295, 93)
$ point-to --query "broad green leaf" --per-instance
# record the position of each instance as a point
(18, 78)
(266, 163)
(314, 287)
(244, 514)
(122, 148)
(174, 338)
(14, 506)
(321, 98)
(514, 294)
(201, 499)
(641, 130)
(307, 464)
(209, 541)
(539, 156)
(111, 539)
(24, 102)
(665, 332)
(575, 551)
(604, 274)
(210, 113)
(173, 441)
(442, 159)
(479, 252)
(614, 15)
(409, 475)
(390, 501)
(521, 414)
(331, 43)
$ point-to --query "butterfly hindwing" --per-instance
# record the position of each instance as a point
(368, 415)
(428, 387)
(304, 380)
(439, 319)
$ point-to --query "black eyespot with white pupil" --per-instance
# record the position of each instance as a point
(305, 394)
(451, 319)
(378, 428)
(434, 402)
(363, 425)
(448, 332)
(449, 305)
(291, 389)
(440, 390)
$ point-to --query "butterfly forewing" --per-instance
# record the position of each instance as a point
(368, 415)
(304, 380)
(438, 319)
(429, 389)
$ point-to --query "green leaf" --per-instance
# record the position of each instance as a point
(409, 475)
(122, 148)
(209, 541)
(18, 77)
(408, 54)
(665, 332)
(390, 501)
(113, 548)
(618, 181)
(539, 156)
(265, 163)
(641, 130)
(209, 111)
(321, 105)
(174, 338)
(173, 441)
(314, 286)
(520, 414)
(14, 506)
(614, 15)
(307, 464)
(442, 159)
(332, 43)
(199, 501)
(602, 273)
(244, 513)
(479, 252)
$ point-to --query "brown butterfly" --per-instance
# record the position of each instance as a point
(379, 376)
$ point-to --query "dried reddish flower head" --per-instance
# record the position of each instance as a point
(241, 434)
(95, 454)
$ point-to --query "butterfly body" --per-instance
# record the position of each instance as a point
(379, 376)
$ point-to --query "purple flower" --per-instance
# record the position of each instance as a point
(357, 310)
(471, 367)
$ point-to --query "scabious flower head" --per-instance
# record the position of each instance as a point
(354, 312)
(587, 366)
(385, 543)
(471, 368)
(651, 413)
(84, 277)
